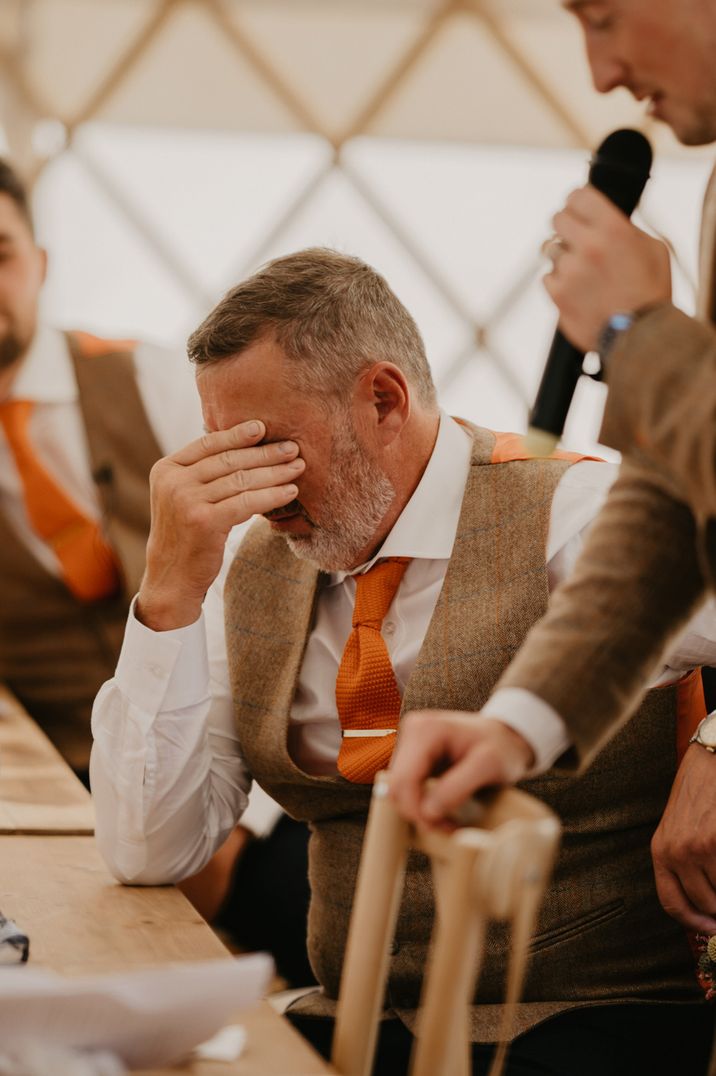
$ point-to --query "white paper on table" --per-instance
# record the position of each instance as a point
(148, 1018)
(225, 1045)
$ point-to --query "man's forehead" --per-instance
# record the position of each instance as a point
(233, 392)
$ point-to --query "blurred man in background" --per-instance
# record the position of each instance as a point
(82, 421)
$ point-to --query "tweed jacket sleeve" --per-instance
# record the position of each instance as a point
(662, 402)
(636, 583)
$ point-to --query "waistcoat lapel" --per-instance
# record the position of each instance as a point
(269, 598)
(496, 579)
(121, 444)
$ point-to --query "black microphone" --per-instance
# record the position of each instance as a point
(619, 169)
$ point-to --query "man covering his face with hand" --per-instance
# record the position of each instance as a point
(401, 558)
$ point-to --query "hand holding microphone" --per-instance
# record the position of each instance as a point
(602, 265)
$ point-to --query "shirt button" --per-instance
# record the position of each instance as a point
(389, 627)
(155, 670)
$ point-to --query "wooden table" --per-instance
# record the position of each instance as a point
(38, 791)
(81, 921)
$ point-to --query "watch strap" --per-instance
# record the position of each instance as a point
(616, 325)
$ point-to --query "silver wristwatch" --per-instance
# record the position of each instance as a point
(612, 330)
(706, 733)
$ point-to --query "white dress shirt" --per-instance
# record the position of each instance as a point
(167, 776)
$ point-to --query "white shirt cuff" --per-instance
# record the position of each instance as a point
(262, 813)
(534, 719)
(150, 673)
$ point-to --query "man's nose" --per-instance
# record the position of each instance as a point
(608, 71)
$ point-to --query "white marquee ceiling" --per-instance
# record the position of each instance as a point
(487, 71)
(479, 72)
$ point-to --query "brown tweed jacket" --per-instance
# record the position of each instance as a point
(651, 555)
(662, 386)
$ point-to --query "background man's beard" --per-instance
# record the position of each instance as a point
(12, 348)
(356, 499)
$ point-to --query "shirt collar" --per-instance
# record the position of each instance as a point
(46, 374)
(426, 528)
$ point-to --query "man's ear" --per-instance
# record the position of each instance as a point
(382, 401)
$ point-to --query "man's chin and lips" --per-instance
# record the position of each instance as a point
(291, 519)
(354, 503)
(655, 106)
(692, 126)
(689, 127)
(330, 548)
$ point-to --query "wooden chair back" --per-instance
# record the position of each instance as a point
(494, 865)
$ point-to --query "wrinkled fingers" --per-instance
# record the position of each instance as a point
(232, 460)
(246, 481)
(244, 435)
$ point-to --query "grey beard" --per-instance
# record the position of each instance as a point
(356, 499)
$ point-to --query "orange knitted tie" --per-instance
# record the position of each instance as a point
(88, 564)
(367, 694)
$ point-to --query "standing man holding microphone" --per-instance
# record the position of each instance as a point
(651, 557)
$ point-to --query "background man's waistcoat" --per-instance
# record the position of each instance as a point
(55, 651)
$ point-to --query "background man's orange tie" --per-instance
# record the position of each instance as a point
(367, 694)
(88, 564)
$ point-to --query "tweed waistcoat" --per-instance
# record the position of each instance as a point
(55, 651)
(494, 590)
